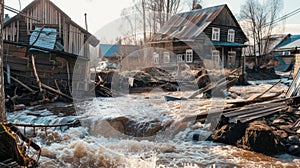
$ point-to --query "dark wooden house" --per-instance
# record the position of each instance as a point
(59, 46)
(211, 34)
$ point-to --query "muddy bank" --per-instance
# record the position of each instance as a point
(271, 135)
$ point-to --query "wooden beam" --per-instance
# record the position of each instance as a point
(2, 94)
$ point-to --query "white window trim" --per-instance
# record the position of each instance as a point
(166, 57)
(156, 58)
(214, 55)
(231, 35)
(189, 55)
(180, 57)
(215, 34)
(231, 52)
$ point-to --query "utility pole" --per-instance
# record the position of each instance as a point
(2, 95)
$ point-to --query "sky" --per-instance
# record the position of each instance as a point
(101, 13)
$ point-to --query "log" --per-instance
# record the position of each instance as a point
(36, 75)
(22, 84)
(266, 90)
(56, 91)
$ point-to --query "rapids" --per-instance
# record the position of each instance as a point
(141, 130)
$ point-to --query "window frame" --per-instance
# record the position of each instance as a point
(215, 34)
(156, 58)
(180, 57)
(189, 56)
(166, 57)
(233, 61)
(231, 35)
(213, 56)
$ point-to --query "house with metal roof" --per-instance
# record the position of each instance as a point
(60, 47)
(202, 34)
(287, 53)
(116, 52)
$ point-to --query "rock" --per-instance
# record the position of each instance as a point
(297, 112)
(278, 121)
(229, 134)
(169, 87)
(294, 150)
(259, 137)
(284, 127)
(281, 134)
(293, 140)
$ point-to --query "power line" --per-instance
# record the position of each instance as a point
(283, 17)
(16, 11)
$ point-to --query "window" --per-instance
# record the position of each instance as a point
(215, 34)
(180, 57)
(166, 57)
(286, 53)
(216, 57)
(230, 36)
(189, 55)
(156, 58)
(231, 58)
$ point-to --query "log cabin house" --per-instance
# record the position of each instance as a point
(191, 37)
(59, 46)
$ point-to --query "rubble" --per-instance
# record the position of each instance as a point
(270, 127)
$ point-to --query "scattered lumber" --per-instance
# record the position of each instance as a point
(13, 154)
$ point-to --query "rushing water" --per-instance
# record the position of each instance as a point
(138, 131)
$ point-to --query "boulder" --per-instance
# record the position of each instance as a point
(294, 150)
(229, 134)
(259, 137)
(293, 140)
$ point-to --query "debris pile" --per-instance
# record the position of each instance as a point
(144, 80)
(16, 154)
(270, 126)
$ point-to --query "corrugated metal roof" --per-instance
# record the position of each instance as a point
(43, 37)
(290, 43)
(188, 25)
(115, 50)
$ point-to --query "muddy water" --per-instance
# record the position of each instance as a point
(140, 131)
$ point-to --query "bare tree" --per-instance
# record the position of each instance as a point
(259, 21)
(151, 15)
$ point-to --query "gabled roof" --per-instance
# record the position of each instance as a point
(92, 39)
(116, 50)
(290, 43)
(190, 25)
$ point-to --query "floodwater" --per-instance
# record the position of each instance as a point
(140, 131)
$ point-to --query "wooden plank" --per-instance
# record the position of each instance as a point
(256, 114)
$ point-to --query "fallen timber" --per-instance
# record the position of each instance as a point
(210, 90)
(15, 154)
(269, 127)
(34, 126)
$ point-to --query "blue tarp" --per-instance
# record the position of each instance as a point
(109, 50)
(46, 39)
(283, 67)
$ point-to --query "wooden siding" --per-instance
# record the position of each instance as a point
(238, 37)
(44, 13)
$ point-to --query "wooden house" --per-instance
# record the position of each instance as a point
(202, 34)
(115, 52)
(59, 46)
